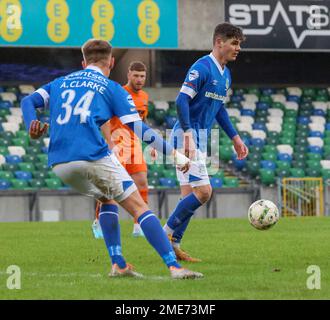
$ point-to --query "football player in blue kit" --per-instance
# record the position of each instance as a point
(201, 101)
(80, 103)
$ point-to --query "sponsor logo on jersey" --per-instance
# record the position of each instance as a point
(193, 75)
(215, 96)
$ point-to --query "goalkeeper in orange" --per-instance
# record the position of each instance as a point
(125, 144)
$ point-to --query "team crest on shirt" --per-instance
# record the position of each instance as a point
(130, 100)
(193, 75)
(215, 82)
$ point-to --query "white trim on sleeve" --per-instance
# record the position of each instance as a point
(190, 92)
(130, 118)
(45, 95)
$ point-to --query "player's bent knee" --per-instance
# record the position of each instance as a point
(203, 193)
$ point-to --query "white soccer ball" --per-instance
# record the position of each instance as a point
(263, 214)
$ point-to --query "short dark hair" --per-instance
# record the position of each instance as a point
(137, 66)
(228, 31)
(95, 50)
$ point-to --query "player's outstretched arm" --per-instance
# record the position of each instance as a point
(146, 134)
(32, 124)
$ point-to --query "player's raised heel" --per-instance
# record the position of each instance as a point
(125, 272)
(184, 256)
(137, 231)
(182, 273)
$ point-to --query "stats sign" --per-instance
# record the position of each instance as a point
(282, 24)
(68, 23)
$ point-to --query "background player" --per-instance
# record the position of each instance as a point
(125, 144)
(79, 104)
(200, 101)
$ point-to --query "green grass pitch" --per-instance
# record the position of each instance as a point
(61, 260)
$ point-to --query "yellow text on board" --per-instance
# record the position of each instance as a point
(58, 28)
(103, 13)
(148, 13)
(10, 16)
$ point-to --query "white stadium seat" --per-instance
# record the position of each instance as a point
(285, 148)
(46, 142)
(278, 98)
(277, 127)
(246, 119)
(14, 119)
(315, 141)
(275, 112)
(16, 150)
(294, 91)
(258, 134)
(275, 120)
(26, 89)
(248, 105)
(250, 97)
(325, 164)
(16, 111)
(318, 119)
(316, 127)
(233, 112)
(244, 127)
(161, 105)
(9, 96)
(2, 159)
(10, 126)
(291, 105)
(320, 105)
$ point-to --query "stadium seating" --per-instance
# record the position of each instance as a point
(287, 131)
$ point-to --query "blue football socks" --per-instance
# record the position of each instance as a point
(109, 223)
(156, 236)
(183, 211)
(179, 232)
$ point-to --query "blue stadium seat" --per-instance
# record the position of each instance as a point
(267, 91)
(216, 182)
(284, 157)
(265, 164)
(262, 105)
(6, 104)
(4, 184)
(167, 182)
(327, 127)
(23, 175)
(257, 142)
(316, 134)
(44, 149)
(303, 120)
(236, 98)
(319, 112)
(239, 164)
(315, 149)
(13, 159)
(247, 112)
(259, 126)
(293, 98)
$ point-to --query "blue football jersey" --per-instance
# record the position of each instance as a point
(207, 83)
(79, 104)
